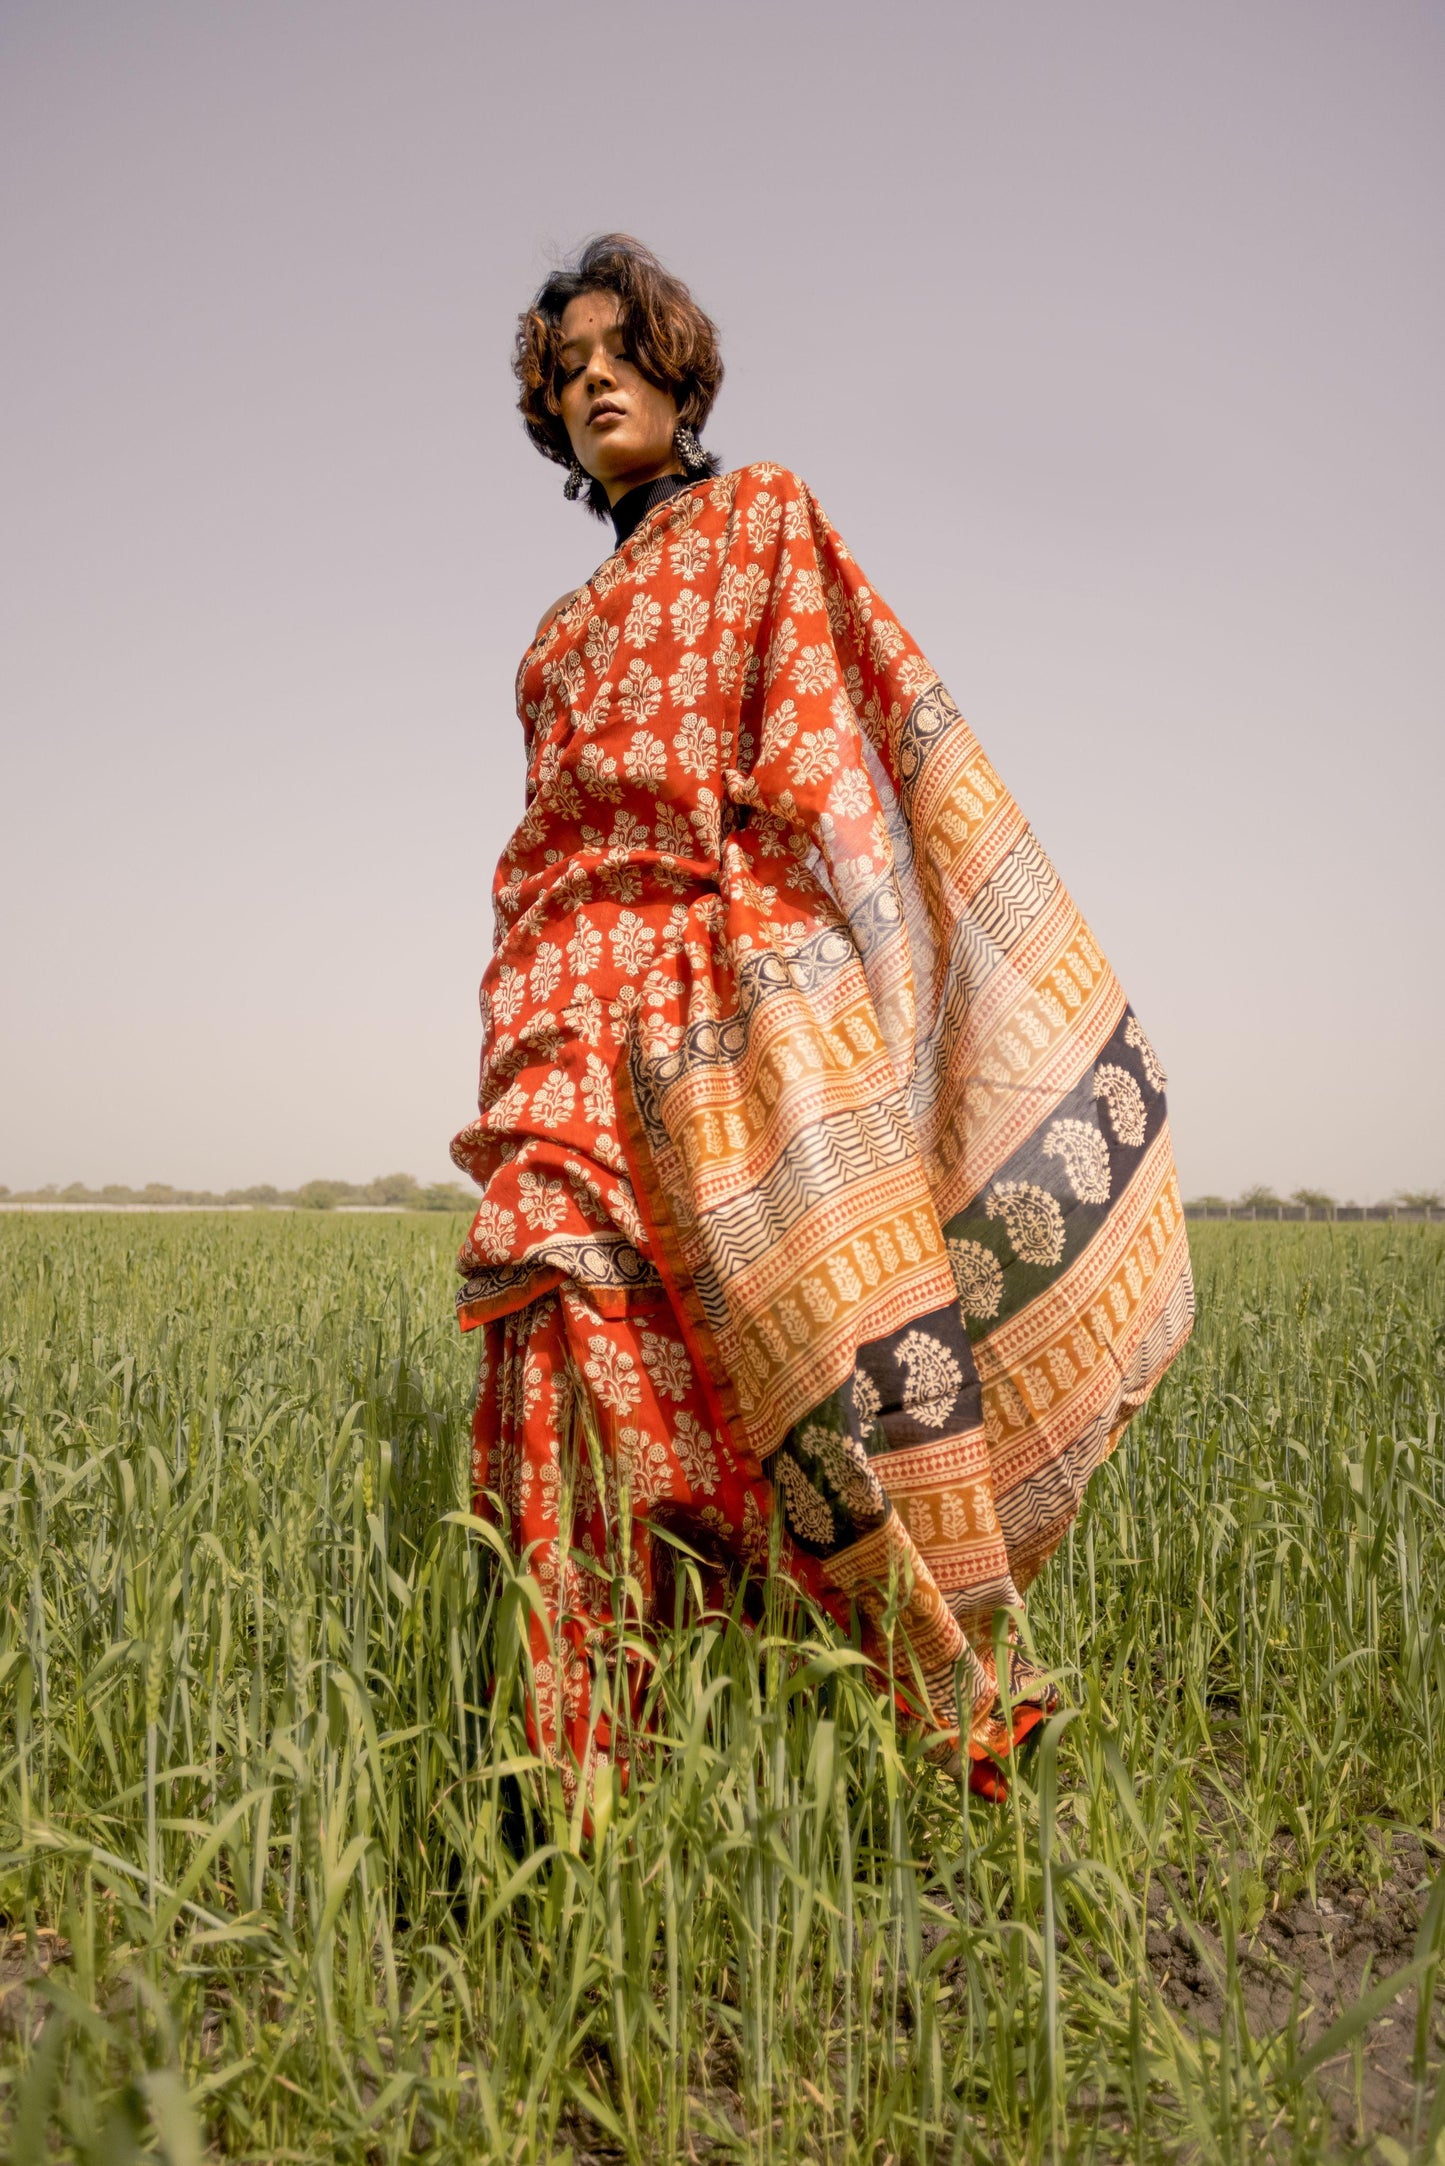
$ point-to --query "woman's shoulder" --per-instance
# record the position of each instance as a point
(562, 602)
(770, 487)
(761, 474)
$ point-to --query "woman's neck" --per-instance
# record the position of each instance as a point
(628, 484)
(630, 509)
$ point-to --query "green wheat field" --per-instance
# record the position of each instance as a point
(271, 1889)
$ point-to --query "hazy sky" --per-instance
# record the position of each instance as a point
(1111, 336)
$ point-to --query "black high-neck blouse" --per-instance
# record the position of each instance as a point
(629, 511)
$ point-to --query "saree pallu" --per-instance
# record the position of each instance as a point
(798, 1055)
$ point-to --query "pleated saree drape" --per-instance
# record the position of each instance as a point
(821, 1150)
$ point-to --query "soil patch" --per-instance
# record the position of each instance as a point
(24, 1960)
(1314, 1960)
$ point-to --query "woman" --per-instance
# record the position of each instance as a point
(825, 1165)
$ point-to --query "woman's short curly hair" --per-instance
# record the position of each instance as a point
(668, 338)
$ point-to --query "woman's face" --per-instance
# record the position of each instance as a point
(620, 425)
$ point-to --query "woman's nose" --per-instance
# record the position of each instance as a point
(599, 370)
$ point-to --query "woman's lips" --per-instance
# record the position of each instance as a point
(599, 414)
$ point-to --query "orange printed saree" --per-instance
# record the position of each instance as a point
(825, 1166)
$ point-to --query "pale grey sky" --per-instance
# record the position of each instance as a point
(1112, 338)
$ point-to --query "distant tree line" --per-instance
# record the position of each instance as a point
(1316, 1203)
(392, 1191)
(401, 1192)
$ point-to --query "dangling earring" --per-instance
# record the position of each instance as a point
(578, 479)
(689, 450)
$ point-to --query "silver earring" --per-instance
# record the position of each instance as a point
(578, 480)
(688, 449)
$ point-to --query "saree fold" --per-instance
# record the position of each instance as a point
(792, 1026)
